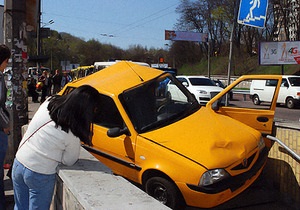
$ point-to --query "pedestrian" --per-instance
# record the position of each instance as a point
(50, 84)
(56, 79)
(31, 86)
(53, 136)
(66, 78)
(4, 119)
(44, 78)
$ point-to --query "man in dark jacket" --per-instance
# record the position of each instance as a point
(4, 119)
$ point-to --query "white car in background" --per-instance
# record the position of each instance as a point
(203, 88)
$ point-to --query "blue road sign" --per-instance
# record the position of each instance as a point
(253, 12)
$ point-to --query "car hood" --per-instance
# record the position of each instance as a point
(211, 139)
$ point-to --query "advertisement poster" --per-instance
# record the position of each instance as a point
(279, 53)
(186, 36)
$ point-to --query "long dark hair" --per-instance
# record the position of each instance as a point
(4, 53)
(75, 111)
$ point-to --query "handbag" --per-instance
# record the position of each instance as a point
(8, 174)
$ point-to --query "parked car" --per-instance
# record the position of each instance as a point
(289, 94)
(221, 84)
(178, 151)
(201, 87)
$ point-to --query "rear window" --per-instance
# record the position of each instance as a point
(271, 83)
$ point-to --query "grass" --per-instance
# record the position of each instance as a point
(240, 66)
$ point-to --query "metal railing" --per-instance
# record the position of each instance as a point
(284, 146)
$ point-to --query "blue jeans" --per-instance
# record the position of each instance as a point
(31, 190)
(3, 149)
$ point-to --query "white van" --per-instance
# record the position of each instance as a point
(289, 93)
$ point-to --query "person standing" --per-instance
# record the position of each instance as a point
(4, 119)
(66, 78)
(53, 136)
(56, 79)
(31, 86)
(45, 80)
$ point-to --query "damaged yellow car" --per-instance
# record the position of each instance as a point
(181, 153)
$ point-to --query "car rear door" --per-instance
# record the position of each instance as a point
(241, 107)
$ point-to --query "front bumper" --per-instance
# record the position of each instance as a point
(216, 194)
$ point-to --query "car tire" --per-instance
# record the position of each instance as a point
(164, 191)
(290, 103)
(256, 100)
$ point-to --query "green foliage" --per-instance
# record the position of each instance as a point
(240, 66)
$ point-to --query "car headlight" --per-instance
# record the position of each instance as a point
(202, 91)
(261, 144)
(213, 176)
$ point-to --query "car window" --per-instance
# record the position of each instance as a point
(295, 81)
(284, 82)
(151, 106)
(107, 114)
(201, 82)
(272, 83)
(252, 94)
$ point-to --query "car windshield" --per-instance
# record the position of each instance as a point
(201, 82)
(151, 106)
(295, 81)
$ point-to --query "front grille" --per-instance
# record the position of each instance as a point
(234, 182)
(213, 94)
(246, 163)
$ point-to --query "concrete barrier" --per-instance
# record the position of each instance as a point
(286, 168)
(89, 184)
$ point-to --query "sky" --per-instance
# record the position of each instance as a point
(122, 23)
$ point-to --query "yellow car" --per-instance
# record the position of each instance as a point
(181, 153)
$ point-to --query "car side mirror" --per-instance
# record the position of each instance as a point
(115, 132)
(215, 106)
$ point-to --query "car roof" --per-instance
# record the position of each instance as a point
(121, 76)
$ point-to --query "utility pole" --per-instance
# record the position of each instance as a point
(15, 36)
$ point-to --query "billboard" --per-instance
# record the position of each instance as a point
(279, 53)
(186, 36)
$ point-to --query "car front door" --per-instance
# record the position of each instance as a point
(115, 152)
(241, 107)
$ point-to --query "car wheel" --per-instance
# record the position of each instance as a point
(256, 100)
(164, 191)
(290, 103)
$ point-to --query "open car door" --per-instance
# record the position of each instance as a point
(240, 104)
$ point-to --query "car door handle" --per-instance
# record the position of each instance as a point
(262, 119)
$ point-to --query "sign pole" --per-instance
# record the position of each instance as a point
(15, 38)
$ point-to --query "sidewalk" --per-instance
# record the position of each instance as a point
(9, 193)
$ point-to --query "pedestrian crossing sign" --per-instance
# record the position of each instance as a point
(253, 13)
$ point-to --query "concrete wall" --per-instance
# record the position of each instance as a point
(91, 185)
(285, 168)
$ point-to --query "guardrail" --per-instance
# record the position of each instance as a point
(245, 93)
(284, 146)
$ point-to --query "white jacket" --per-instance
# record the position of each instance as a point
(49, 146)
